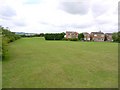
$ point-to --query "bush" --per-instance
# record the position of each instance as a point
(116, 37)
(81, 36)
(54, 36)
(70, 39)
(7, 37)
(73, 39)
(4, 47)
(65, 39)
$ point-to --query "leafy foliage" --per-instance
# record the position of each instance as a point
(54, 36)
(81, 36)
(35, 35)
(70, 39)
(116, 37)
(7, 37)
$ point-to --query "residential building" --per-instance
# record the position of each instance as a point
(97, 36)
(108, 37)
(71, 34)
(86, 36)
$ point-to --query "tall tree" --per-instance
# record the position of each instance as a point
(81, 36)
(115, 37)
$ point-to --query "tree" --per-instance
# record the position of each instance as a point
(81, 36)
(105, 38)
(7, 37)
(42, 35)
(119, 36)
(54, 36)
(115, 37)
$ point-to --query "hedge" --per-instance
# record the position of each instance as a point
(7, 37)
(54, 36)
(70, 39)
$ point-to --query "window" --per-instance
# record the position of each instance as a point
(102, 35)
(88, 39)
(95, 35)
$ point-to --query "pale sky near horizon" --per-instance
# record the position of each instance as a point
(54, 16)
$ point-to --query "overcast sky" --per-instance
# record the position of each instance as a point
(53, 16)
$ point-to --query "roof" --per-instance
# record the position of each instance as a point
(109, 33)
(71, 32)
(97, 32)
(85, 33)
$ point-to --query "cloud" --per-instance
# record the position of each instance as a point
(75, 6)
(32, 1)
(99, 8)
(59, 15)
(7, 12)
(19, 23)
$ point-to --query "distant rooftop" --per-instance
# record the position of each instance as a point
(109, 33)
(97, 32)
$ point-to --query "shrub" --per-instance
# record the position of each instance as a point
(70, 39)
(81, 36)
(7, 37)
(65, 39)
(54, 36)
(116, 37)
(4, 48)
(73, 39)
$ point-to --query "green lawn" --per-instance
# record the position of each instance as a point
(0, 59)
(0, 74)
(36, 63)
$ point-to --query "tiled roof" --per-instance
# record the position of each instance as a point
(85, 33)
(97, 32)
(108, 33)
(71, 32)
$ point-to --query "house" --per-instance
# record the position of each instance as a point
(108, 37)
(86, 36)
(71, 34)
(97, 36)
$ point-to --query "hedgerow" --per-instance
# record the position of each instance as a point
(7, 37)
(54, 36)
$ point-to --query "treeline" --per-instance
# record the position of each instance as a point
(116, 37)
(54, 36)
(60, 36)
(34, 35)
(7, 37)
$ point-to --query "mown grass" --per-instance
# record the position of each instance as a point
(0, 59)
(36, 63)
(0, 74)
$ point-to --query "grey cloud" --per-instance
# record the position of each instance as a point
(46, 23)
(19, 23)
(102, 22)
(75, 6)
(85, 25)
(99, 8)
(117, 10)
(6, 12)
(32, 1)
(79, 26)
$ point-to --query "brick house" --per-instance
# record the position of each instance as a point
(71, 34)
(97, 36)
(86, 36)
(108, 37)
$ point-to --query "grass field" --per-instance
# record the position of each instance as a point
(0, 59)
(0, 74)
(36, 63)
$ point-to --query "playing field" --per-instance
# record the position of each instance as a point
(37, 63)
